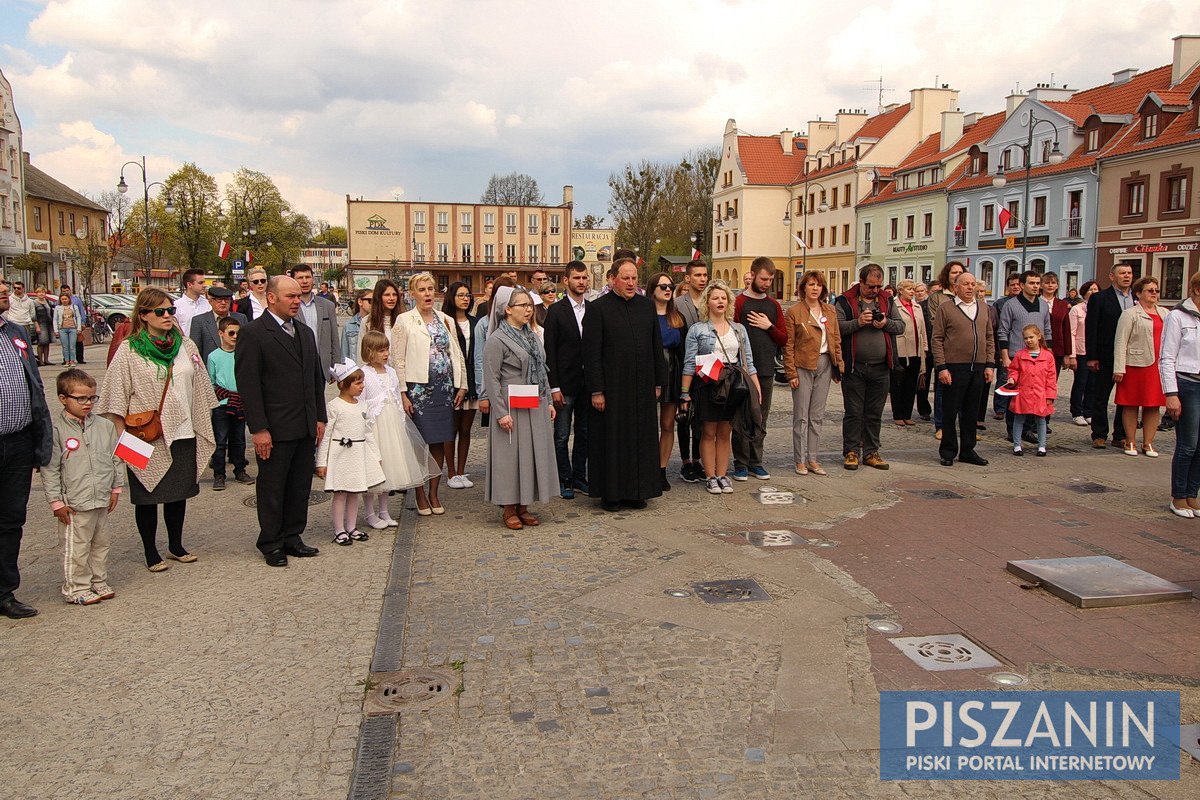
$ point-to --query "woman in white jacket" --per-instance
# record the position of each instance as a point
(1179, 369)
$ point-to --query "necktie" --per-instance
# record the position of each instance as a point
(288, 328)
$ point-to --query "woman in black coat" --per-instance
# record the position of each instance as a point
(458, 304)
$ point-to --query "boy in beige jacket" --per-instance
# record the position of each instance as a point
(83, 483)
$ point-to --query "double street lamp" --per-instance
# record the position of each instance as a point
(123, 187)
(787, 217)
(1055, 156)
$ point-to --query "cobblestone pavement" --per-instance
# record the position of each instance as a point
(580, 676)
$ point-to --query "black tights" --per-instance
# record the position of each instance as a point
(147, 525)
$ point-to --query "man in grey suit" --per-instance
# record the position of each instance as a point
(319, 314)
(204, 326)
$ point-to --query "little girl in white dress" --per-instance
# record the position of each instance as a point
(405, 458)
(347, 457)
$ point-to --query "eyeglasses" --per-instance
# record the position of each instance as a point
(668, 286)
(87, 401)
(1148, 289)
(231, 334)
(259, 280)
(549, 291)
(158, 312)
(520, 305)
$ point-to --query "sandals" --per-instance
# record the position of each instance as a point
(342, 538)
(358, 535)
(158, 566)
(816, 469)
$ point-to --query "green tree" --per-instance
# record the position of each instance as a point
(331, 235)
(262, 221)
(636, 203)
(589, 222)
(165, 251)
(194, 195)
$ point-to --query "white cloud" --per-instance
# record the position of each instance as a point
(365, 96)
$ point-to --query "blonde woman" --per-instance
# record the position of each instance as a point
(716, 332)
(433, 377)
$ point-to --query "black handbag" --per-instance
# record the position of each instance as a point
(733, 386)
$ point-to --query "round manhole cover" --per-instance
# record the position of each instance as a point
(403, 690)
(314, 499)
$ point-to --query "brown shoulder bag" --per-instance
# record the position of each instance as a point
(147, 425)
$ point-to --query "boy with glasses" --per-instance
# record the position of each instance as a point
(83, 484)
(228, 420)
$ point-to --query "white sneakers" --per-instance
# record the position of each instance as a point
(1080, 421)
(459, 482)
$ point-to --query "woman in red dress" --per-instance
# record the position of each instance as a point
(1135, 366)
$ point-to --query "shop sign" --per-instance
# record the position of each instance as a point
(39, 245)
(910, 248)
(1156, 247)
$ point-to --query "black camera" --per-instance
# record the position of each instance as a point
(876, 315)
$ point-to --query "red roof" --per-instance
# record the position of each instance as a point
(879, 125)
(1076, 112)
(764, 161)
(1172, 97)
(1126, 97)
(1180, 130)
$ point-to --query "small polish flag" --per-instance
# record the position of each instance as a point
(800, 241)
(697, 255)
(522, 395)
(1005, 218)
(133, 451)
(709, 366)
(223, 249)
(249, 258)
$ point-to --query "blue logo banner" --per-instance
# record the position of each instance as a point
(1029, 735)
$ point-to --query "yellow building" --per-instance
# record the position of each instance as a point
(68, 231)
(465, 242)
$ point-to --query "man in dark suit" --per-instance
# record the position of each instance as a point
(321, 315)
(25, 442)
(563, 331)
(1104, 308)
(283, 394)
(204, 326)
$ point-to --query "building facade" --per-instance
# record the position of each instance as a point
(594, 247)
(465, 242)
(68, 232)
(12, 182)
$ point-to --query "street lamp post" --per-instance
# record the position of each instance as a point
(999, 181)
(123, 187)
(787, 218)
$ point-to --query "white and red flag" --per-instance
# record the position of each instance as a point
(522, 395)
(1005, 218)
(709, 366)
(800, 241)
(223, 249)
(249, 258)
(133, 451)
(697, 255)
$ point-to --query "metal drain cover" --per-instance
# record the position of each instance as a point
(742, 590)
(314, 499)
(772, 538)
(945, 652)
(1088, 487)
(1098, 581)
(936, 494)
(393, 692)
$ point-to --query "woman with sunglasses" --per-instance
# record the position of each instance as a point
(155, 353)
(661, 289)
(457, 305)
(254, 304)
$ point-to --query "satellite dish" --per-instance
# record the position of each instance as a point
(871, 175)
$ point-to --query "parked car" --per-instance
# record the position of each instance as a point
(115, 308)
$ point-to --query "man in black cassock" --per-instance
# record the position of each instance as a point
(624, 370)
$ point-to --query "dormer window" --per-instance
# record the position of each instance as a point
(1150, 126)
(975, 164)
(1093, 140)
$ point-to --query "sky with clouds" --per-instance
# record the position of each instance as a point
(425, 100)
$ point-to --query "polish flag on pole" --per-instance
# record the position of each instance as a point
(697, 255)
(800, 241)
(133, 451)
(249, 258)
(522, 395)
(1005, 218)
(709, 366)
(223, 249)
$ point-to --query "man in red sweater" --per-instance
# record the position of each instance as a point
(763, 317)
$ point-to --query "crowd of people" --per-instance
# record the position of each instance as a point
(581, 393)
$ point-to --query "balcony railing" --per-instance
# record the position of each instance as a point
(1072, 228)
(960, 238)
(866, 246)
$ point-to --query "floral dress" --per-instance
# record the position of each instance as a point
(433, 402)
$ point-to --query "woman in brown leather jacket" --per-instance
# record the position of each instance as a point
(812, 358)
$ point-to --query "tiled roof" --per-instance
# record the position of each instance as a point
(817, 174)
(40, 185)
(1076, 112)
(1125, 98)
(1080, 159)
(923, 154)
(765, 163)
(878, 126)
(1181, 129)
(1172, 97)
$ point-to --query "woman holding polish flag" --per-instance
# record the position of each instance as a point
(521, 465)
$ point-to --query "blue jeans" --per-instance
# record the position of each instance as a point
(230, 434)
(572, 467)
(1185, 464)
(1019, 429)
(68, 337)
(1081, 391)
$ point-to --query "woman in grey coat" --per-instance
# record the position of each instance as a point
(522, 467)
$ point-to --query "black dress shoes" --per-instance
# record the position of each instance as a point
(946, 462)
(611, 506)
(275, 558)
(15, 609)
(635, 504)
(300, 550)
(971, 458)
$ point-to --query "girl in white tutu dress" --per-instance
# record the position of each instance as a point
(405, 458)
(347, 457)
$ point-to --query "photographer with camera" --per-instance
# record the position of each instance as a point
(868, 323)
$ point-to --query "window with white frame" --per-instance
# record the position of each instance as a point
(533, 223)
(489, 254)
(466, 254)
(555, 223)
(510, 224)
(555, 254)
(489, 222)
(510, 253)
(464, 221)
(443, 222)
(443, 252)
(533, 254)
(418, 222)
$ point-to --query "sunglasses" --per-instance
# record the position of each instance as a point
(668, 286)
(158, 312)
(87, 401)
(259, 280)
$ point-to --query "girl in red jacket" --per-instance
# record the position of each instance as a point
(1033, 375)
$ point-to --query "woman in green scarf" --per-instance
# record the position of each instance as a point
(158, 368)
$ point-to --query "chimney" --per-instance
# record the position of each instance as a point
(1012, 101)
(568, 196)
(1126, 75)
(785, 141)
(952, 128)
(821, 134)
(849, 122)
(1044, 92)
(972, 118)
(26, 156)
(1187, 56)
